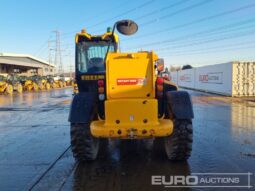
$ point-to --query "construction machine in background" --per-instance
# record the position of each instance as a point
(28, 84)
(42, 82)
(50, 80)
(14, 80)
(59, 82)
(75, 88)
(46, 84)
(69, 81)
(5, 87)
(123, 96)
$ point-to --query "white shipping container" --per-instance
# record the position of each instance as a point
(215, 78)
(243, 80)
(232, 79)
(186, 78)
(174, 77)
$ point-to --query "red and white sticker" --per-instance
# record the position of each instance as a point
(131, 81)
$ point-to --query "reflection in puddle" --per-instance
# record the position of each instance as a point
(242, 118)
(126, 166)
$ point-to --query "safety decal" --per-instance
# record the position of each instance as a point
(131, 81)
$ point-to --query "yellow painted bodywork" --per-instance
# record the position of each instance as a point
(131, 118)
(89, 36)
(138, 66)
(75, 88)
(58, 84)
(131, 110)
(28, 85)
(5, 87)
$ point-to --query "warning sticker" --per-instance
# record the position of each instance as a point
(131, 81)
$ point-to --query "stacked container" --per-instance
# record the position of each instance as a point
(232, 79)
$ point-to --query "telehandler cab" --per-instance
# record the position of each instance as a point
(122, 96)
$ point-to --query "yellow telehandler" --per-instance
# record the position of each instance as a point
(123, 96)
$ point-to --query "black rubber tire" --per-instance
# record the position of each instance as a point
(178, 146)
(84, 146)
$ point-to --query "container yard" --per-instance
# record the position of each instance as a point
(235, 79)
(125, 96)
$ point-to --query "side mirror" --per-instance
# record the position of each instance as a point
(160, 65)
(126, 27)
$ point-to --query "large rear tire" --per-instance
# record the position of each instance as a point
(85, 147)
(178, 146)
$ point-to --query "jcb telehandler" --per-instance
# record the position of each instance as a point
(122, 96)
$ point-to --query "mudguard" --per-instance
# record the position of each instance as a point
(181, 104)
(82, 107)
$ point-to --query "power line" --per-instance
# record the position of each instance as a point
(220, 50)
(156, 11)
(119, 15)
(58, 55)
(161, 9)
(177, 12)
(207, 32)
(238, 35)
(225, 13)
(212, 32)
(36, 53)
(174, 13)
(208, 48)
(49, 51)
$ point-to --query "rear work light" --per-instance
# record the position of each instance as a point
(160, 81)
(160, 88)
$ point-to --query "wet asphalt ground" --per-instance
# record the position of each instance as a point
(35, 147)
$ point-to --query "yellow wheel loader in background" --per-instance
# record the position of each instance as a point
(58, 82)
(5, 87)
(14, 80)
(122, 96)
(29, 84)
(46, 84)
(75, 88)
(42, 82)
(50, 81)
(69, 81)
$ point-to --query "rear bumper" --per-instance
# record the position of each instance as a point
(162, 129)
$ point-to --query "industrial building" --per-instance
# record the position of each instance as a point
(24, 64)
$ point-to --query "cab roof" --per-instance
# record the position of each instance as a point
(83, 36)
